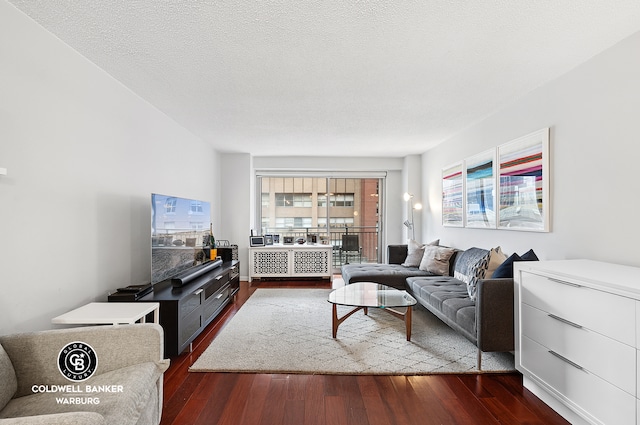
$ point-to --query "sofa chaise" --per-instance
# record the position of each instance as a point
(125, 388)
(459, 292)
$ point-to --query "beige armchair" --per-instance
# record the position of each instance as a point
(125, 387)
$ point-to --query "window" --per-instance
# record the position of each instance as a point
(341, 200)
(329, 206)
(293, 222)
(170, 205)
(284, 199)
(302, 200)
(195, 207)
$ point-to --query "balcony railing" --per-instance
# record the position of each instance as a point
(367, 238)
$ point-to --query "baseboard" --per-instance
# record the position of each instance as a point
(554, 403)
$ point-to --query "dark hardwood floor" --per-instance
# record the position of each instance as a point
(270, 399)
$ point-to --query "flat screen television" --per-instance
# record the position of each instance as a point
(180, 229)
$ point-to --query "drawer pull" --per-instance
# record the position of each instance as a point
(560, 319)
(219, 277)
(219, 296)
(198, 292)
(575, 285)
(566, 360)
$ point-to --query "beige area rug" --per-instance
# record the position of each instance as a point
(289, 331)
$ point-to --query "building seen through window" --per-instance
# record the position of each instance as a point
(298, 206)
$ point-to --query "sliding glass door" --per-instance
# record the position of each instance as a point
(341, 211)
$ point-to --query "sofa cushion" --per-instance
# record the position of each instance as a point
(505, 270)
(436, 260)
(529, 256)
(387, 274)
(448, 297)
(139, 388)
(8, 378)
(496, 258)
(415, 251)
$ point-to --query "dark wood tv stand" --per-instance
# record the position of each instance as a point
(186, 311)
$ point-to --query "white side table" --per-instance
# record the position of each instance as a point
(109, 314)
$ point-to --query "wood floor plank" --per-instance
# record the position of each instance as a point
(237, 400)
(296, 386)
(273, 412)
(216, 397)
(314, 403)
(465, 405)
(335, 410)
(256, 399)
(428, 398)
(293, 412)
(392, 400)
(502, 403)
(174, 404)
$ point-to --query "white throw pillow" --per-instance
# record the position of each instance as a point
(415, 252)
(436, 260)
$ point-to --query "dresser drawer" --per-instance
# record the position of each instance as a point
(189, 327)
(607, 358)
(214, 286)
(599, 311)
(190, 303)
(214, 302)
(604, 401)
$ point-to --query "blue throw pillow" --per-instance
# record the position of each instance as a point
(529, 256)
(505, 270)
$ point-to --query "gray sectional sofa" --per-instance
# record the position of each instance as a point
(485, 318)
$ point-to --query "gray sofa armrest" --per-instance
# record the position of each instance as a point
(494, 315)
(396, 254)
(34, 355)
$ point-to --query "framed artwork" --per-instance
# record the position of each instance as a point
(524, 183)
(452, 196)
(480, 190)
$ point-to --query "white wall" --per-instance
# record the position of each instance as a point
(412, 184)
(83, 155)
(237, 204)
(593, 115)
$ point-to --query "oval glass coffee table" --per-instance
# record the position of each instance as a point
(365, 295)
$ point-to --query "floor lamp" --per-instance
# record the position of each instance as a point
(409, 198)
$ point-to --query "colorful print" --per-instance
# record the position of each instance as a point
(452, 196)
(523, 183)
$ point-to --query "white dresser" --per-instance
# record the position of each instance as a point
(291, 261)
(578, 336)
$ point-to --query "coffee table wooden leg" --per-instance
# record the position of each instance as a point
(336, 321)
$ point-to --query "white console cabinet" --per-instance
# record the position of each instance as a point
(290, 261)
(578, 338)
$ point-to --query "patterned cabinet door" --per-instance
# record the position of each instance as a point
(270, 263)
(312, 262)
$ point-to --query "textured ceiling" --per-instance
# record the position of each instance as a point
(335, 77)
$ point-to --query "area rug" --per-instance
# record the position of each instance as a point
(289, 331)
